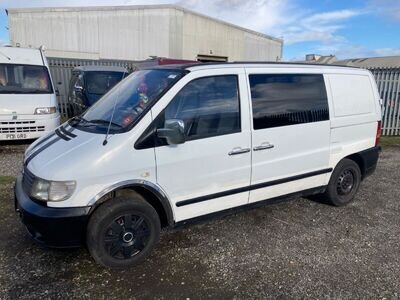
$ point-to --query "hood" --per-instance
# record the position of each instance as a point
(24, 104)
(50, 156)
(72, 154)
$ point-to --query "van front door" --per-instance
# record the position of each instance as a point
(291, 134)
(210, 171)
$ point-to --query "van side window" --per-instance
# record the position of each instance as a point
(288, 99)
(209, 106)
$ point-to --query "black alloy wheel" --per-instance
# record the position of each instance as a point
(126, 236)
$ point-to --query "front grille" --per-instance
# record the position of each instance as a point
(16, 122)
(27, 180)
(22, 129)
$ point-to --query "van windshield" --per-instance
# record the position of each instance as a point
(126, 102)
(99, 82)
(24, 79)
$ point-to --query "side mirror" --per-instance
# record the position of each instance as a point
(173, 132)
(78, 88)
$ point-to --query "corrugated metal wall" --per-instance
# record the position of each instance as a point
(61, 70)
(388, 81)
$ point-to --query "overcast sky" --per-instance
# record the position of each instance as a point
(347, 28)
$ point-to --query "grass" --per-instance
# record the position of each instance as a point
(6, 179)
(64, 119)
(387, 141)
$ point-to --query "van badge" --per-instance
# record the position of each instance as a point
(14, 115)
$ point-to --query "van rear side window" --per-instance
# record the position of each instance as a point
(288, 99)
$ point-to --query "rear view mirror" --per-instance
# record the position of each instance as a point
(173, 132)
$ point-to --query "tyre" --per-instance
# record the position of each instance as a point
(344, 183)
(123, 231)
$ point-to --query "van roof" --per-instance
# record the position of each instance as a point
(23, 56)
(212, 65)
(93, 68)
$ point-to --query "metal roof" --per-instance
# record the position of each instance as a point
(383, 62)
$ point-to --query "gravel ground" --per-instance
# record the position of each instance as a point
(11, 158)
(296, 249)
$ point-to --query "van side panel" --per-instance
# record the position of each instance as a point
(355, 113)
(352, 95)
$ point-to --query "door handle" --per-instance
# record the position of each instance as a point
(236, 151)
(263, 146)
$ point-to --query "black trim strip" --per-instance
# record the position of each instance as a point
(27, 161)
(252, 187)
(64, 137)
(248, 206)
(67, 133)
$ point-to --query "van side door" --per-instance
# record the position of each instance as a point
(290, 133)
(210, 171)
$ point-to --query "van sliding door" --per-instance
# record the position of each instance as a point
(290, 134)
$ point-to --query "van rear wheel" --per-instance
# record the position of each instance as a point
(344, 183)
(123, 231)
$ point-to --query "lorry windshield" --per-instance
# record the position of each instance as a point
(24, 79)
(128, 100)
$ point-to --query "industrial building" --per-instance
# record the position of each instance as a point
(136, 33)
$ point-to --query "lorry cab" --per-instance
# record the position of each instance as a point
(172, 144)
(28, 105)
(89, 83)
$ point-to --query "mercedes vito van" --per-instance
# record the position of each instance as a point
(28, 104)
(172, 144)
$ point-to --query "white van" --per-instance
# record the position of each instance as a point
(176, 143)
(28, 104)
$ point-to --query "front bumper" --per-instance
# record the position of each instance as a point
(53, 227)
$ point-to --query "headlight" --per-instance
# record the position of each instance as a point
(52, 190)
(45, 110)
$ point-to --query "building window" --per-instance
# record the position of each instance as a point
(288, 99)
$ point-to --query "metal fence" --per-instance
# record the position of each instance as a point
(61, 70)
(388, 81)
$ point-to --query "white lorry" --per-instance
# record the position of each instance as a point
(28, 104)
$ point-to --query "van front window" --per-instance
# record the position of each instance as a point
(126, 102)
(24, 79)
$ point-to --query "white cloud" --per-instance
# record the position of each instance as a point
(387, 8)
(320, 27)
(387, 51)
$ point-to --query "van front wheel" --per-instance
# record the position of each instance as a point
(123, 231)
(344, 183)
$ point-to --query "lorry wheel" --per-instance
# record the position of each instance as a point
(344, 183)
(123, 231)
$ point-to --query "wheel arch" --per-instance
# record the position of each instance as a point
(152, 193)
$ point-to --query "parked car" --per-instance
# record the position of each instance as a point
(28, 105)
(169, 145)
(89, 83)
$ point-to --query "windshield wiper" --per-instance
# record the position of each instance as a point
(105, 122)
